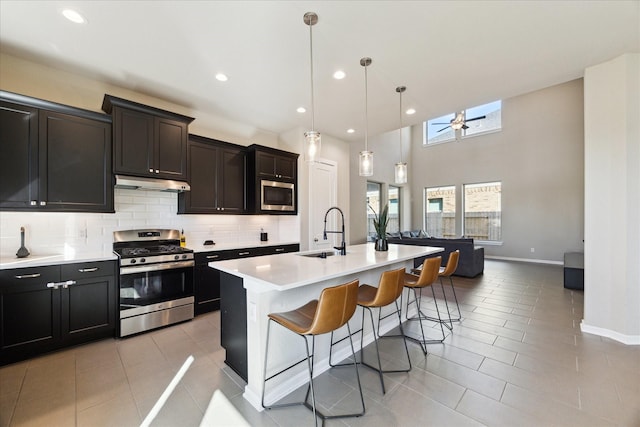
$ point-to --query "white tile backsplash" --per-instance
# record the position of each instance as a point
(57, 232)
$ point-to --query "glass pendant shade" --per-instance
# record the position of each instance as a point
(366, 163)
(401, 173)
(313, 142)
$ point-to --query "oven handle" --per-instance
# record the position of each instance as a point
(156, 267)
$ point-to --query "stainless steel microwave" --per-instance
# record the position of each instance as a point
(277, 196)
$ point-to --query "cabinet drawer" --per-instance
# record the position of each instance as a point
(204, 258)
(87, 270)
(29, 276)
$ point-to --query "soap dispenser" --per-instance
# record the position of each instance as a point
(183, 240)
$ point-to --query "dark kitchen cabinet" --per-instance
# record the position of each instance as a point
(274, 164)
(51, 307)
(217, 176)
(55, 157)
(265, 163)
(147, 141)
(207, 279)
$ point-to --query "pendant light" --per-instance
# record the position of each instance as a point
(312, 137)
(401, 167)
(366, 156)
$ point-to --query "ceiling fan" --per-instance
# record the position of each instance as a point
(458, 122)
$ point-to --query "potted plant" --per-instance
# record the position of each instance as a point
(380, 224)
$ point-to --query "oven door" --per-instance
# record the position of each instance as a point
(277, 196)
(156, 283)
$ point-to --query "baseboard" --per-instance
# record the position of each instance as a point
(608, 333)
(535, 261)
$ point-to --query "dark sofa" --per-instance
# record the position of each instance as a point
(470, 264)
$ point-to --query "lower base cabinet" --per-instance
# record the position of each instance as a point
(207, 280)
(233, 323)
(48, 308)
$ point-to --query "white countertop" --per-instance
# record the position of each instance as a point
(39, 260)
(291, 270)
(201, 247)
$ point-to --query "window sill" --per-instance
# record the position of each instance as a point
(487, 242)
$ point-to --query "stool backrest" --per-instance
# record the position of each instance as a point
(429, 272)
(389, 288)
(335, 307)
(452, 263)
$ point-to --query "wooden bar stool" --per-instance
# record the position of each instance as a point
(334, 309)
(369, 297)
(428, 276)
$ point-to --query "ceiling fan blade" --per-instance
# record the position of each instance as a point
(447, 123)
(443, 129)
(476, 118)
(465, 127)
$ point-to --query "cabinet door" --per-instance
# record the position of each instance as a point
(133, 142)
(285, 167)
(89, 309)
(170, 151)
(232, 181)
(75, 163)
(29, 312)
(19, 154)
(203, 160)
(265, 165)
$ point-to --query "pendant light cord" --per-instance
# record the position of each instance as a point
(311, 61)
(401, 127)
(366, 112)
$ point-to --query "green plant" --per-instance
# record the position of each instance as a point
(380, 222)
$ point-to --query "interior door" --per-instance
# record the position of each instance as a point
(323, 188)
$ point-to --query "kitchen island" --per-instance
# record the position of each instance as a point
(252, 288)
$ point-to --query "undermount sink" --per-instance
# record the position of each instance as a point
(323, 254)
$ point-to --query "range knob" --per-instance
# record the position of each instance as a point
(176, 257)
(133, 261)
(184, 257)
(142, 260)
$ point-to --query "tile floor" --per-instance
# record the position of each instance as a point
(517, 358)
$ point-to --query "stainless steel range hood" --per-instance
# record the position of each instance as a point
(152, 184)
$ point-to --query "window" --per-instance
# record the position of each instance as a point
(394, 209)
(483, 211)
(477, 120)
(373, 202)
(440, 211)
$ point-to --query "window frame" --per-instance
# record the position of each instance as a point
(496, 242)
(460, 133)
(425, 212)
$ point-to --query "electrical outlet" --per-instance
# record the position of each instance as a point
(83, 233)
(533, 250)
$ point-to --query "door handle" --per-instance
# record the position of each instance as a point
(88, 270)
(213, 256)
(243, 253)
(65, 285)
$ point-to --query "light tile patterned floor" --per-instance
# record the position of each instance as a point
(517, 358)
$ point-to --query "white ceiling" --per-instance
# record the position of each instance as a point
(450, 54)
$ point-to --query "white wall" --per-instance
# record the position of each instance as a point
(612, 199)
(538, 157)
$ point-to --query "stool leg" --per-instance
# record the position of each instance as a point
(375, 340)
(444, 295)
(456, 299)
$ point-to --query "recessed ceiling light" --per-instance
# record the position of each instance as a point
(411, 111)
(301, 110)
(339, 75)
(73, 16)
(351, 130)
(221, 77)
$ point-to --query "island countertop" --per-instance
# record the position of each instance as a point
(292, 270)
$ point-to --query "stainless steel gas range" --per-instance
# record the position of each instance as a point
(156, 279)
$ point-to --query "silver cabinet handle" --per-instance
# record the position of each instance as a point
(43, 203)
(33, 203)
(244, 253)
(213, 256)
(279, 249)
(27, 276)
(56, 285)
(88, 270)
(68, 283)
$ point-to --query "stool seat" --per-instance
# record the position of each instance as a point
(298, 320)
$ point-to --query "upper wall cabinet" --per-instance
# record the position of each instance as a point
(275, 164)
(272, 181)
(148, 141)
(217, 176)
(54, 157)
